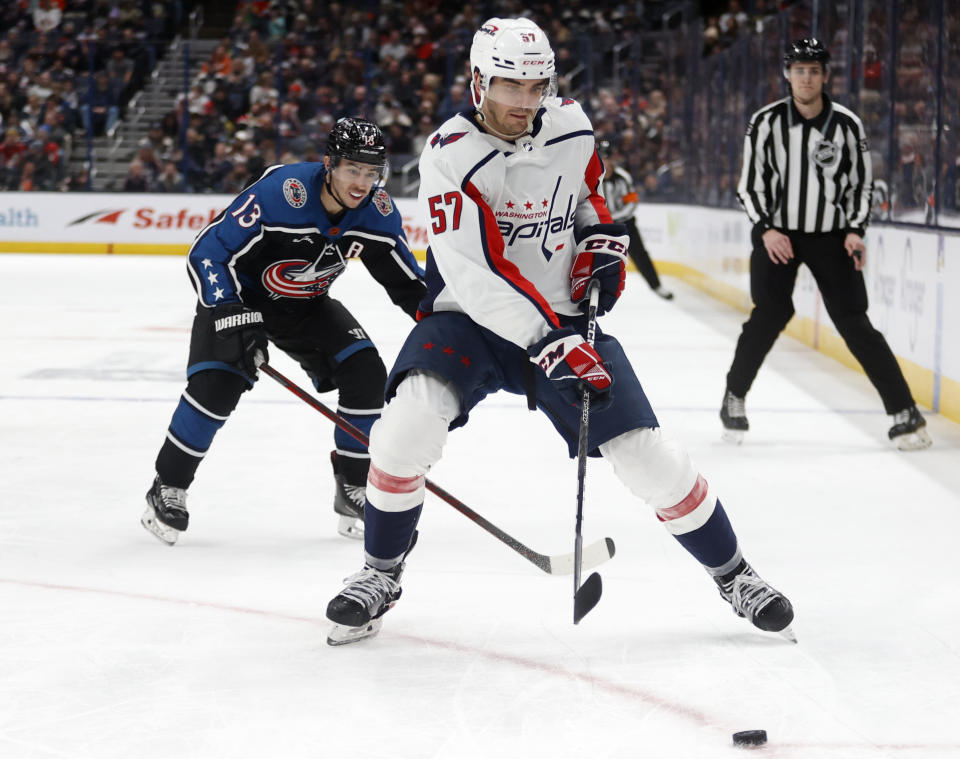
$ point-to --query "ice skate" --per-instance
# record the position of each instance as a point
(166, 515)
(664, 293)
(733, 414)
(909, 432)
(357, 609)
(751, 597)
(348, 503)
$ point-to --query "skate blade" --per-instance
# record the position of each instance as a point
(914, 441)
(350, 527)
(788, 633)
(158, 529)
(732, 436)
(341, 635)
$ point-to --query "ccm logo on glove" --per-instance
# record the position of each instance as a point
(567, 358)
(601, 255)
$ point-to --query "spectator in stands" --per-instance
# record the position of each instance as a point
(100, 109)
(394, 47)
(136, 180)
(120, 73)
(46, 15)
(169, 180)
(263, 92)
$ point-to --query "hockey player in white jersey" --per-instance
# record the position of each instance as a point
(519, 227)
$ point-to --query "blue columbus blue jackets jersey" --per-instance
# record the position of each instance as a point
(275, 248)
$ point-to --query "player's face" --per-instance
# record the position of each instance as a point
(806, 81)
(511, 103)
(351, 182)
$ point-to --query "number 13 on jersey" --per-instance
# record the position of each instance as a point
(439, 205)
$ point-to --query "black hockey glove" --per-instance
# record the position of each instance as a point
(572, 363)
(601, 255)
(240, 336)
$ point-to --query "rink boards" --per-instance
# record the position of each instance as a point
(913, 275)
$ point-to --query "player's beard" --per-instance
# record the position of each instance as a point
(495, 126)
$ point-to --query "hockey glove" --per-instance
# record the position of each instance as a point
(240, 336)
(601, 255)
(571, 362)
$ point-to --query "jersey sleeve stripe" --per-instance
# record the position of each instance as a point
(492, 243)
(593, 176)
(570, 136)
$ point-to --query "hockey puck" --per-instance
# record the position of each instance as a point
(750, 738)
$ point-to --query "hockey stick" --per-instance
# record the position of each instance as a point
(587, 596)
(561, 564)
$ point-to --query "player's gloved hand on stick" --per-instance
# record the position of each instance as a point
(570, 361)
(601, 255)
(240, 336)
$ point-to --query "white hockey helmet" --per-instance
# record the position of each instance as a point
(513, 48)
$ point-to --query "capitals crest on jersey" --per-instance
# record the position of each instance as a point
(297, 278)
(445, 139)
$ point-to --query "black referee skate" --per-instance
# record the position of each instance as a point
(908, 432)
(752, 597)
(348, 501)
(166, 515)
(733, 414)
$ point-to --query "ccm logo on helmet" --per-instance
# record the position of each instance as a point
(534, 63)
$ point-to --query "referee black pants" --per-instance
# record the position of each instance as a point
(845, 297)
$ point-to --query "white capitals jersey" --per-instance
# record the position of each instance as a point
(503, 217)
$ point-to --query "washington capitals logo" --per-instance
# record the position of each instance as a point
(443, 140)
(294, 192)
(296, 278)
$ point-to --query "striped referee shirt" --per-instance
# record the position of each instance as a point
(806, 175)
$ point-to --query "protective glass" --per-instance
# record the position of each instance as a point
(521, 93)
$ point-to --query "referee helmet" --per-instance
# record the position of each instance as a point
(806, 49)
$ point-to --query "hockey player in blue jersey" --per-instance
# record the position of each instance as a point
(519, 228)
(262, 271)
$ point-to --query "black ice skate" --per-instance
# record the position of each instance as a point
(733, 414)
(348, 501)
(166, 515)
(357, 610)
(908, 432)
(751, 597)
(664, 293)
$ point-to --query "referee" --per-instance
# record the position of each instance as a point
(806, 185)
(622, 199)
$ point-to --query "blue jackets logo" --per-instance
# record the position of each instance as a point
(294, 192)
(296, 278)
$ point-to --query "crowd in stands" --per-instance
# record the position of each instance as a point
(285, 71)
(66, 65)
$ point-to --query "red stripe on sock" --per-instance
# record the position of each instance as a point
(390, 484)
(692, 501)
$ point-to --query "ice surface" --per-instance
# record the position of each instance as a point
(114, 645)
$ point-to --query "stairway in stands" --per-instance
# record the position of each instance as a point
(112, 154)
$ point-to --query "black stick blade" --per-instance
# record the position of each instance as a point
(586, 597)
